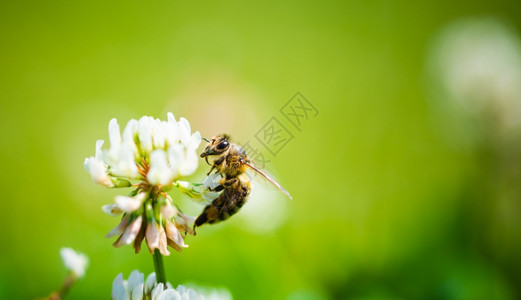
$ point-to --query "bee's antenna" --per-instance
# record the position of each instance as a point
(207, 140)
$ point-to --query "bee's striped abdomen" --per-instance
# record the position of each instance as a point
(226, 205)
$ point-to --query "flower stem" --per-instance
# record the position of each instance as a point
(69, 281)
(62, 291)
(159, 268)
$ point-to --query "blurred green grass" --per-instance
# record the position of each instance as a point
(379, 196)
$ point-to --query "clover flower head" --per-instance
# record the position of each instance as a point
(149, 150)
(75, 262)
(152, 156)
(137, 288)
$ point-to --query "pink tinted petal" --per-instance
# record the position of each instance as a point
(152, 237)
(120, 228)
(168, 210)
(130, 233)
(173, 233)
(162, 242)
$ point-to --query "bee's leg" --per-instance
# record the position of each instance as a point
(226, 184)
(230, 182)
(219, 161)
(201, 219)
(211, 169)
(218, 188)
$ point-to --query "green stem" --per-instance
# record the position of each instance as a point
(62, 291)
(69, 281)
(158, 266)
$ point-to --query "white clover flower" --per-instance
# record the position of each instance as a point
(75, 262)
(137, 288)
(133, 288)
(203, 191)
(152, 156)
(180, 293)
(165, 148)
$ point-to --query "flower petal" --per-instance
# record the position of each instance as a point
(209, 196)
(123, 161)
(99, 153)
(139, 239)
(168, 210)
(150, 283)
(130, 204)
(145, 133)
(137, 292)
(135, 279)
(118, 289)
(159, 172)
(152, 236)
(120, 228)
(189, 163)
(114, 133)
(130, 233)
(129, 134)
(157, 290)
(173, 233)
(74, 261)
(112, 209)
(185, 129)
(169, 294)
(163, 249)
(195, 140)
(213, 180)
(98, 171)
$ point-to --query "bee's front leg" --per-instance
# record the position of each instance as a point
(215, 163)
(211, 169)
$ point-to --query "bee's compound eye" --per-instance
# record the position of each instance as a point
(222, 145)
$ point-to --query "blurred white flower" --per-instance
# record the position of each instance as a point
(75, 262)
(209, 293)
(478, 63)
(137, 288)
(133, 288)
(181, 293)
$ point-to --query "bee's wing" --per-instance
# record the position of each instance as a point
(276, 184)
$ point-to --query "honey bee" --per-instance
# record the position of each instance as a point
(231, 162)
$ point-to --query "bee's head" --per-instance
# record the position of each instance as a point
(218, 145)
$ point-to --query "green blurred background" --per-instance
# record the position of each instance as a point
(386, 204)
